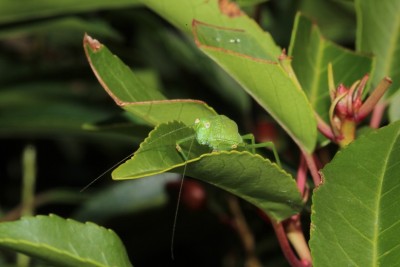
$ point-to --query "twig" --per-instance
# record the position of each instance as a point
(284, 243)
(377, 114)
(302, 175)
(312, 166)
(244, 232)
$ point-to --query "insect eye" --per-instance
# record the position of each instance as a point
(207, 125)
(234, 146)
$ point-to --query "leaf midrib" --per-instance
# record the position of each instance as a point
(376, 234)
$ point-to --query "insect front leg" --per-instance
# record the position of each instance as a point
(179, 148)
(269, 145)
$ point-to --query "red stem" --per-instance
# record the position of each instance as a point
(373, 99)
(324, 128)
(377, 114)
(284, 243)
(302, 175)
(312, 166)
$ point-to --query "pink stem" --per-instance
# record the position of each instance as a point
(284, 243)
(324, 128)
(312, 166)
(373, 99)
(377, 114)
(302, 175)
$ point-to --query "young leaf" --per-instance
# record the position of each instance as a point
(126, 89)
(251, 177)
(378, 33)
(64, 242)
(311, 55)
(355, 215)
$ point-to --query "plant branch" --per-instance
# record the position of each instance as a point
(284, 243)
(302, 175)
(377, 114)
(295, 235)
(373, 99)
(312, 166)
(324, 128)
(244, 232)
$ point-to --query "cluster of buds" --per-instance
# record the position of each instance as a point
(348, 108)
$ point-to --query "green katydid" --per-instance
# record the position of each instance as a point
(217, 132)
(221, 133)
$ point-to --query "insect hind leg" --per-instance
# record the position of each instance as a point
(253, 145)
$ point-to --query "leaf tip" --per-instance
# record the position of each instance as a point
(94, 44)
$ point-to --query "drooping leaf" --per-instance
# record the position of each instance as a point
(64, 242)
(130, 93)
(253, 65)
(248, 176)
(312, 53)
(355, 215)
(378, 33)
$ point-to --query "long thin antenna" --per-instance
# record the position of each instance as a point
(178, 202)
(125, 158)
(106, 171)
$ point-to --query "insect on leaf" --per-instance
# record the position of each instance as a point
(249, 176)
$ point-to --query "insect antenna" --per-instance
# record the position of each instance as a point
(126, 157)
(178, 202)
(106, 171)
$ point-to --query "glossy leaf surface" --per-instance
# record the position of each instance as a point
(355, 214)
(64, 242)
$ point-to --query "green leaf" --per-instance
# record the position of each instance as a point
(378, 25)
(44, 107)
(355, 214)
(311, 55)
(257, 70)
(12, 11)
(64, 242)
(253, 65)
(60, 31)
(252, 61)
(248, 176)
(324, 13)
(125, 197)
(245, 3)
(129, 92)
(394, 107)
(220, 13)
